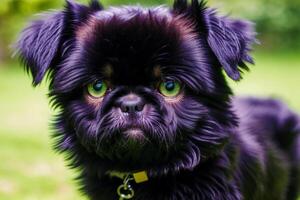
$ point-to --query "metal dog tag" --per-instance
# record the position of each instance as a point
(125, 190)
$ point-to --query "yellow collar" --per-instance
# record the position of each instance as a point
(139, 177)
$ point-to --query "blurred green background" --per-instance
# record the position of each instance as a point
(30, 170)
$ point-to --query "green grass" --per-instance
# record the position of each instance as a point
(274, 75)
(30, 170)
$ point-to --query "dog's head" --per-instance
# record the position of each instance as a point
(139, 87)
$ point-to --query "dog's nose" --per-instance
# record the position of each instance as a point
(131, 103)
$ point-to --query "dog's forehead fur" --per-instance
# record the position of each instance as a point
(125, 16)
(129, 12)
(135, 40)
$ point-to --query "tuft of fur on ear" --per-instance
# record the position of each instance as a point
(78, 14)
(95, 5)
(40, 44)
(180, 5)
(229, 40)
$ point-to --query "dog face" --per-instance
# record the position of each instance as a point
(139, 87)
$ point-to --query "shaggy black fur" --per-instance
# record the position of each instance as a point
(201, 144)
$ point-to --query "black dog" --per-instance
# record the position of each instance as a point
(145, 110)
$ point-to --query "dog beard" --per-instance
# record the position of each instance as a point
(151, 138)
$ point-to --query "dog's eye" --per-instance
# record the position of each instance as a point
(169, 88)
(97, 89)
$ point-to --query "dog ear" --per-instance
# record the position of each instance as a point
(40, 44)
(229, 40)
